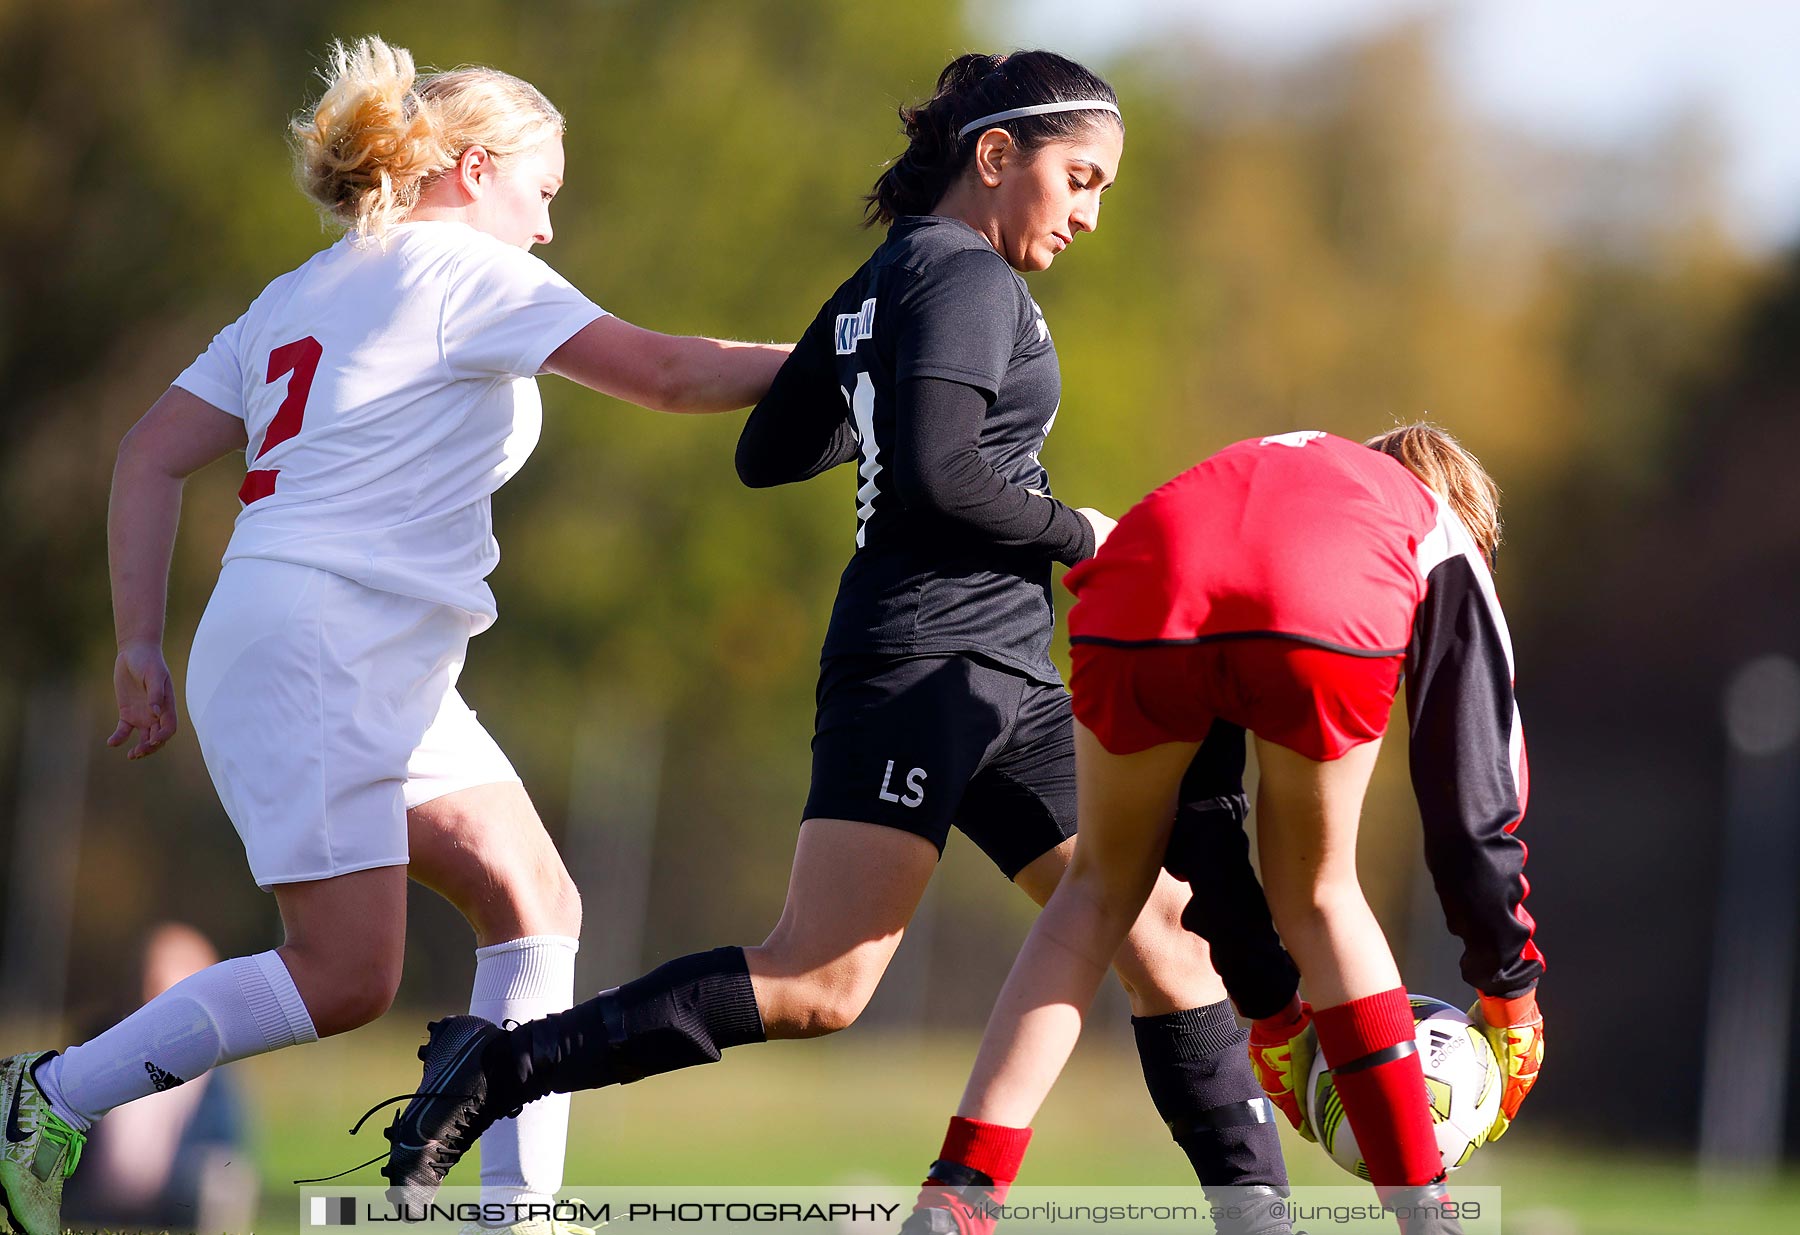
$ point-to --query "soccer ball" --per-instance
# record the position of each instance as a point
(1461, 1075)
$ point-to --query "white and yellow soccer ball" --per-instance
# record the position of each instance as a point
(1462, 1078)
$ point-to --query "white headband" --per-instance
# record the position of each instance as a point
(1039, 109)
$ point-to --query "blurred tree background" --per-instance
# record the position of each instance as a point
(1336, 244)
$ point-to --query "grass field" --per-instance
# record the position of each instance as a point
(870, 1109)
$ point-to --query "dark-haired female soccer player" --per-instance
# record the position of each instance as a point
(938, 706)
(1281, 587)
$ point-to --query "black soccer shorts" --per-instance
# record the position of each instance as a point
(925, 743)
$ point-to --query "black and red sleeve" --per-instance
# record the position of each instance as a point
(1470, 775)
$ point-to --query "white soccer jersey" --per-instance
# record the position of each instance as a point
(387, 392)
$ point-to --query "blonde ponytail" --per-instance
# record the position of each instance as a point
(380, 133)
(1452, 473)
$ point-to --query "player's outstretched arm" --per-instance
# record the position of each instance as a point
(180, 434)
(667, 373)
(801, 427)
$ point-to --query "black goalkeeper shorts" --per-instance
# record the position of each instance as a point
(927, 743)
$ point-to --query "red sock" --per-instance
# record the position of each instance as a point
(992, 1149)
(1386, 1102)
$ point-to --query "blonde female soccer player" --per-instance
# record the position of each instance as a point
(381, 392)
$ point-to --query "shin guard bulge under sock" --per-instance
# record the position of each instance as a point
(681, 1014)
(519, 981)
(244, 1006)
(1200, 1079)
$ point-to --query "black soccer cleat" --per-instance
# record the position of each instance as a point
(930, 1222)
(448, 1113)
(1423, 1209)
(954, 1200)
(1250, 1209)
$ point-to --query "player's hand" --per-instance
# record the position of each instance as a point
(146, 699)
(1101, 524)
(1282, 1059)
(1515, 1029)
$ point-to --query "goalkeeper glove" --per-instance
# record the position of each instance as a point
(1281, 1055)
(1515, 1029)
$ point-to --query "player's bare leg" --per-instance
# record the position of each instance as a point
(852, 890)
(1162, 965)
(337, 969)
(1307, 818)
(485, 850)
(1126, 806)
(345, 944)
(1189, 1042)
(1125, 820)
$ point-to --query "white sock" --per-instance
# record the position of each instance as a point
(244, 1006)
(522, 980)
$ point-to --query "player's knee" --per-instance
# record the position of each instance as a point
(1163, 965)
(1314, 903)
(802, 1000)
(1164, 972)
(353, 995)
(565, 905)
(369, 999)
(531, 897)
(545, 901)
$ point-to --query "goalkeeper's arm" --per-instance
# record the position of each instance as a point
(1471, 777)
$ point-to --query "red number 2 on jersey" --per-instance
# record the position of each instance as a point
(300, 358)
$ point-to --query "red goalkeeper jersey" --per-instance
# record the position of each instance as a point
(1303, 535)
(1312, 538)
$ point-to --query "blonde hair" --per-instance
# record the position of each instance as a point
(380, 133)
(1452, 473)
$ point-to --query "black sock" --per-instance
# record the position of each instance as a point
(1200, 1079)
(1210, 850)
(680, 1014)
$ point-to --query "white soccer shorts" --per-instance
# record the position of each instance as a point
(325, 711)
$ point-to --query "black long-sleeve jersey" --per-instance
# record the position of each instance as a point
(1469, 768)
(933, 368)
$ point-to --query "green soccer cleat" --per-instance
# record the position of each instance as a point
(38, 1153)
